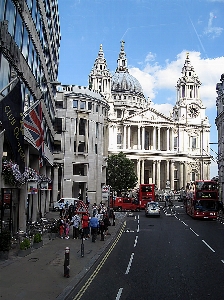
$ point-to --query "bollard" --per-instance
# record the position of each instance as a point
(66, 263)
(82, 244)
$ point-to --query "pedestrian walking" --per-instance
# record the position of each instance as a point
(85, 226)
(76, 220)
(61, 227)
(67, 228)
(94, 225)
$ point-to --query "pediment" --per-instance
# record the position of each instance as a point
(148, 115)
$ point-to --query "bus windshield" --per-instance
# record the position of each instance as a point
(206, 186)
(206, 205)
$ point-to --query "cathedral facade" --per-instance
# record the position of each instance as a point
(168, 150)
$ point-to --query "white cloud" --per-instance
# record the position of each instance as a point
(210, 30)
(155, 78)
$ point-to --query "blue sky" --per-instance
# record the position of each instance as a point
(157, 35)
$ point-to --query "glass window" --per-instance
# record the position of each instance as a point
(34, 11)
(2, 6)
(18, 31)
(75, 103)
(29, 4)
(4, 72)
(119, 138)
(25, 43)
(96, 108)
(89, 105)
(30, 55)
(82, 105)
(175, 142)
(194, 140)
(10, 16)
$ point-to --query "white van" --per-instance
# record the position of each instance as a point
(67, 201)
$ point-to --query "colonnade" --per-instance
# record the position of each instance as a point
(141, 137)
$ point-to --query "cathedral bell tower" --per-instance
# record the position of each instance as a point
(100, 77)
(189, 107)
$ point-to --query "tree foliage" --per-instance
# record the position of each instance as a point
(120, 173)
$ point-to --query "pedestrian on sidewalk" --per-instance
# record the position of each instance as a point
(61, 227)
(94, 225)
(85, 226)
(106, 223)
(102, 229)
(76, 221)
(67, 228)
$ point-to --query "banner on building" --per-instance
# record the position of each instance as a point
(11, 116)
(33, 126)
(32, 187)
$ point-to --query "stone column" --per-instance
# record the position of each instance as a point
(158, 174)
(143, 137)
(172, 143)
(168, 139)
(181, 177)
(154, 138)
(159, 138)
(139, 140)
(55, 184)
(172, 175)
(138, 170)
(167, 170)
(154, 171)
(124, 138)
(129, 137)
(143, 171)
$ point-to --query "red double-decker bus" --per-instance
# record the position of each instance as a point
(146, 194)
(202, 200)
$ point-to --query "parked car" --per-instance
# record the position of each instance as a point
(152, 209)
(67, 201)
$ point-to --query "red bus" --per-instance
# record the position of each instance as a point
(146, 194)
(124, 203)
(202, 200)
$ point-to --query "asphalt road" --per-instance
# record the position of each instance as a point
(171, 257)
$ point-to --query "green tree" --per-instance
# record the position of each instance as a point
(120, 173)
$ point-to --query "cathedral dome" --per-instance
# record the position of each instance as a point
(123, 81)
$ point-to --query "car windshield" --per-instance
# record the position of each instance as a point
(153, 204)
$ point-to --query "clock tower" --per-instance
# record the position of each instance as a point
(189, 107)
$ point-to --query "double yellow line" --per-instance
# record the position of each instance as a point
(96, 271)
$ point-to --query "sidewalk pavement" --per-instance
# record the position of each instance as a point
(40, 275)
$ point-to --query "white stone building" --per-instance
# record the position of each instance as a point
(163, 148)
(81, 143)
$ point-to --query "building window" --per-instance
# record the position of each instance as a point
(82, 105)
(119, 139)
(58, 125)
(119, 113)
(96, 149)
(97, 129)
(193, 176)
(82, 126)
(175, 143)
(96, 108)
(89, 105)
(79, 169)
(81, 147)
(194, 142)
(175, 174)
(75, 103)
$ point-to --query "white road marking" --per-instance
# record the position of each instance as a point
(222, 260)
(184, 223)
(129, 264)
(119, 293)
(138, 228)
(194, 232)
(208, 246)
(136, 239)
